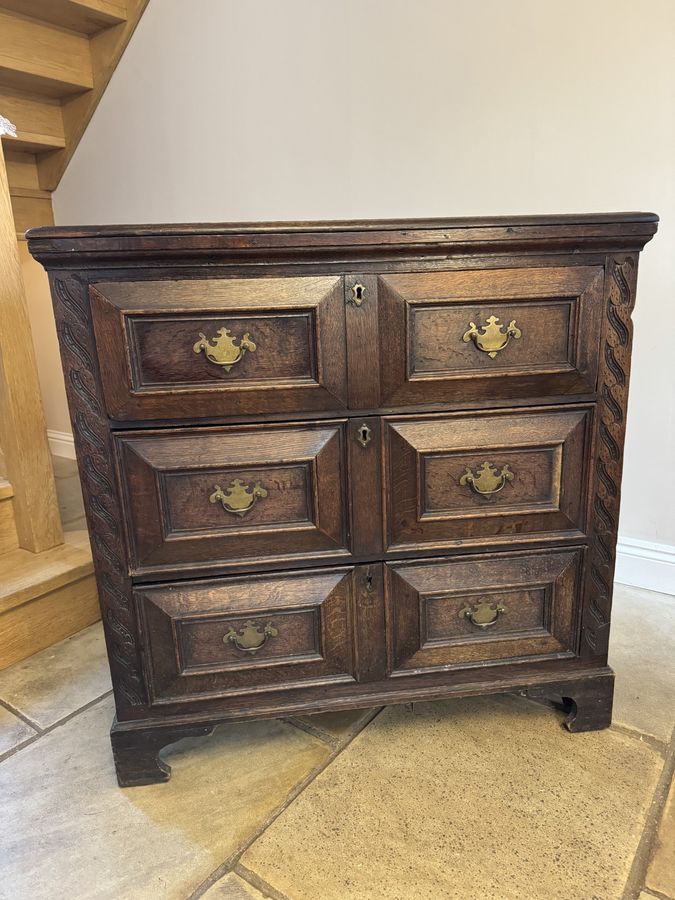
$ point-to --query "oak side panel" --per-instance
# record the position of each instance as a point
(104, 513)
(610, 432)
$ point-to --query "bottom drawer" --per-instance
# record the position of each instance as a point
(233, 636)
(477, 610)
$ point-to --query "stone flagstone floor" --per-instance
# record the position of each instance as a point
(474, 798)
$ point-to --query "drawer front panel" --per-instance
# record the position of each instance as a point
(481, 609)
(503, 333)
(220, 497)
(185, 349)
(234, 636)
(497, 477)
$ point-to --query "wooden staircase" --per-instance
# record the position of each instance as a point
(56, 58)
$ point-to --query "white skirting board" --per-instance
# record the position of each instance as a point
(645, 564)
(61, 443)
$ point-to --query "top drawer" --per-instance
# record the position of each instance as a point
(489, 334)
(194, 348)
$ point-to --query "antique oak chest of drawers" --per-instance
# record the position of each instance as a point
(333, 465)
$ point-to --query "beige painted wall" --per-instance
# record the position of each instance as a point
(223, 110)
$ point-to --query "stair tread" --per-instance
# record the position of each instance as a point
(25, 576)
(85, 16)
(31, 142)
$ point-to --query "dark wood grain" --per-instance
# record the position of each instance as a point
(424, 316)
(363, 342)
(146, 332)
(426, 457)
(185, 627)
(169, 477)
(249, 244)
(587, 703)
(93, 444)
(365, 551)
(610, 434)
(425, 603)
(137, 752)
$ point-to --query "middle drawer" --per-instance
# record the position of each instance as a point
(492, 477)
(230, 496)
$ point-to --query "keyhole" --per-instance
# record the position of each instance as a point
(357, 294)
(369, 583)
(364, 435)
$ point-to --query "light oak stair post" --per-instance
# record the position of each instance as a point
(23, 434)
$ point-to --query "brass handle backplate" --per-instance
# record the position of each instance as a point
(250, 638)
(223, 349)
(482, 614)
(239, 497)
(491, 339)
(487, 479)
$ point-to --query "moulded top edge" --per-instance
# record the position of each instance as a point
(568, 220)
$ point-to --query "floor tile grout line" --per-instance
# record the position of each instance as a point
(333, 740)
(252, 878)
(312, 730)
(20, 715)
(233, 859)
(657, 744)
(53, 726)
(657, 895)
(643, 854)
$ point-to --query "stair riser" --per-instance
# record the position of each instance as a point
(43, 58)
(47, 619)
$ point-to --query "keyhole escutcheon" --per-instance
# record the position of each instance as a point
(358, 292)
(364, 435)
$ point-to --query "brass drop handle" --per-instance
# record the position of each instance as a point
(250, 638)
(239, 497)
(491, 339)
(483, 614)
(487, 479)
(222, 350)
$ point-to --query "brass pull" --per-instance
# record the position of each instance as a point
(250, 638)
(358, 292)
(364, 435)
(239, 497)
(222, 349)
(487, 480)
(483, 614)
(492, 339)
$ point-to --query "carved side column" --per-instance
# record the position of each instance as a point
(615, 349)
(104, 516)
